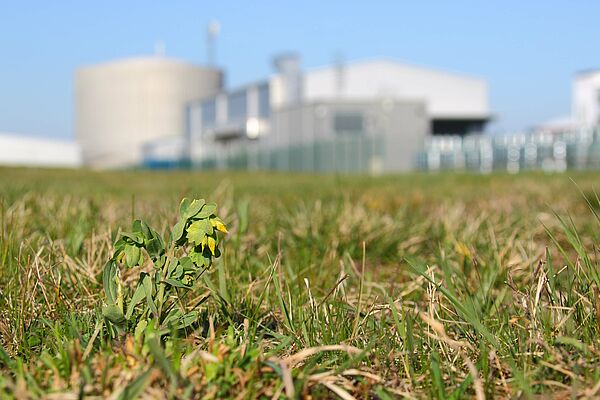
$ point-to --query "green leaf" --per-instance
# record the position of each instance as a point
(146, 280)
(114, 314)
(147, 232)
(187, 319)
(140, 329)
(155, 247)
(198, 258)
(5, 359)
(197, 231)
(120, 245)
(109, 280)
(161, 261)
(183, 206)
(178, 230)
(172, 266)
(178, 272)
(173, 315)
(133, 238)
(176, 283)
(132, 255)
(136, 387)
(160, 357)
(148, 289)
(193, 209)
(137, 226)
(187, 264)
(137, 297)
(209, 227)
(211, 370)
(208, 210)
(243, 216)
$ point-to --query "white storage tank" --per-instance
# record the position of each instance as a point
(121, 105)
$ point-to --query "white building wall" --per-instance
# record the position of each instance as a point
(121, 105)
(586, 99)
(446, 95)
(27, 151)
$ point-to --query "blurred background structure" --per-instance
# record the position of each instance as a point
(18, 151)
(121, 105)
(69, 77)
(566, 143)
(372, 116)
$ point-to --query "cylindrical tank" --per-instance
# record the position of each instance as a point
(121, 105)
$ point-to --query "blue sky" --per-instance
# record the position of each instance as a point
(527, 50)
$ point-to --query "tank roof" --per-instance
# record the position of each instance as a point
(141, 61)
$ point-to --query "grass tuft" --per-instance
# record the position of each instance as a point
(417, 286)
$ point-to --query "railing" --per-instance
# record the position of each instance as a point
(577, 150)
(360, 154)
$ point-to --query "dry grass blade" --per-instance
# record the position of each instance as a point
(338, 391)
(305, 353)
(458, 347)
(356, 372)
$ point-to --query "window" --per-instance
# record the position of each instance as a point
(264, 102)
(348, 123)
(209, 113)
(236, 106)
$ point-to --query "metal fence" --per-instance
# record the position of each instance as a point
(513, 153)
(351, 154)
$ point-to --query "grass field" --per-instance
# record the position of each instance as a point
(417, 286)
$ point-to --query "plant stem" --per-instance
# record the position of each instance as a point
(161, 286)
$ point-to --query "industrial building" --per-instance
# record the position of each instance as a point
(586, 99)
(571, 142)
(30, 151)
(121, 105)
(370, 116)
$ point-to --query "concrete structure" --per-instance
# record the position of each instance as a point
(343, 106)
(121, 105)
(586, 99)
(455, 104)
(326, 136)
(28, 151)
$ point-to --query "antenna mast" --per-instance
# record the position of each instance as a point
(212, 31)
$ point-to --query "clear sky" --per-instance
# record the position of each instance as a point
(527, 50)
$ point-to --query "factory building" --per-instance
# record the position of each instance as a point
(455, 104)
(371, 116)
(568, 142)
(30, 151)
(121, 105)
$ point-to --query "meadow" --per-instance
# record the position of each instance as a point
(411, 286)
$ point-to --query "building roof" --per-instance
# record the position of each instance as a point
(146, 61)
(446, 94)
(371, 62)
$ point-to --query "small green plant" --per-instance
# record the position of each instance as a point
(177, 266)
